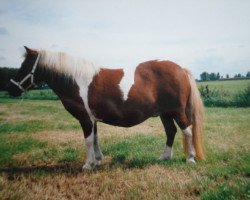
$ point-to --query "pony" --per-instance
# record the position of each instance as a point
(92, 94)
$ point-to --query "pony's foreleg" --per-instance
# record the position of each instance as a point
(98, 152)
(170, 130)
(88, 130)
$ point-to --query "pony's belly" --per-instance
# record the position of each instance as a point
(124, 118)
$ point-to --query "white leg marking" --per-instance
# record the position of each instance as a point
(191, 151)
(98, 153)
(167, 154)
(127, 81)
(90, 162)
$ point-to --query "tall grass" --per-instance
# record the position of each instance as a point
(218, 97)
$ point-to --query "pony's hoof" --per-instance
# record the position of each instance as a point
(98, 162)
(163, 158)
(191, 160)
(88, 167)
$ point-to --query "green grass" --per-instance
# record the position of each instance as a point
(31, 125)
(132, 150)
(129, 157)
(33, 94)
(225, 93)
(34, 116)
(230, 87)
(10, 148)
(241, 190)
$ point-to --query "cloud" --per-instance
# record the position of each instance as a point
(3, 31)
(124, 33)
(54, 46)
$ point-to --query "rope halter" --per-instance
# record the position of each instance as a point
(30, 75)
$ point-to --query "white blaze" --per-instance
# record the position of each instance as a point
(127, 82)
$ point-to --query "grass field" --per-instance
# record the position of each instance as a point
(42, 152)
(231, 87)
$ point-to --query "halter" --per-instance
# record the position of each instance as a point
(30, 75)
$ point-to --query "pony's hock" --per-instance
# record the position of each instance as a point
(118, 97)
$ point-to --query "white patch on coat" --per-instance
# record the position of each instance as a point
(83, 85)
(127, 81)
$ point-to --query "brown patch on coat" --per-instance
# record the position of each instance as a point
(151, 94)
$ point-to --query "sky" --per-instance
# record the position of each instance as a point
(211, 36)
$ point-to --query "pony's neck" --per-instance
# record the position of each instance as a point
(61, 71)
(62, 85)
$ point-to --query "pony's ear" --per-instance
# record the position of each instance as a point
(30, 51)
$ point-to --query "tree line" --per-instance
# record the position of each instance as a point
(205, 76)
(5, 75)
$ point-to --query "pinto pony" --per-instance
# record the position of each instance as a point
(93, 94)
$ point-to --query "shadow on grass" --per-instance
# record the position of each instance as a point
(76, 167)
(66, 168)
(142, 162)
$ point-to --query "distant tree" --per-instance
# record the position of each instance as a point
(227, 76)
(238, 75)
(210, 77)
(248, 74)
(204, 76)
(218, 76)
(213, 77)
(5, 75)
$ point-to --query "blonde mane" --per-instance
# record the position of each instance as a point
(68, 65)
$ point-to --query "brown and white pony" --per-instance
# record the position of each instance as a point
(93, 94)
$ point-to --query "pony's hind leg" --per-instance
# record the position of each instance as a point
(186, 127)
(170, 130)
(98, 153)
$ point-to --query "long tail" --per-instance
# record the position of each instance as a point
(195, 114)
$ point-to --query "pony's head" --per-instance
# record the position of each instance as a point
(26, 77)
